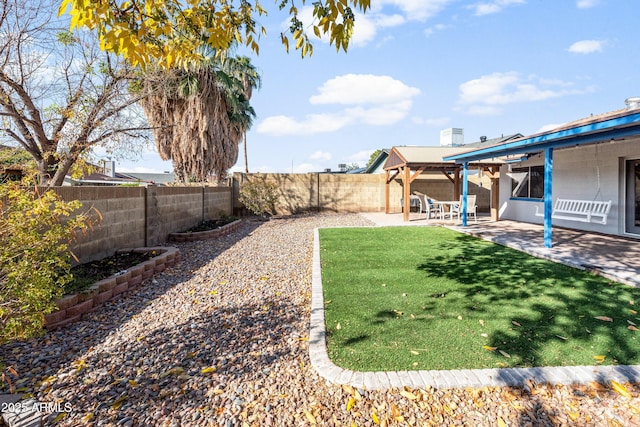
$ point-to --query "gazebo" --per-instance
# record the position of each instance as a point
(408, 162)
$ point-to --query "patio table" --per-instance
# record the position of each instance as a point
(449, 204)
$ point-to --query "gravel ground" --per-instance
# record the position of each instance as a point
(221, 340)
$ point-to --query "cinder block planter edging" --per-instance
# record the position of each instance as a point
(72, 307)
(205, 235)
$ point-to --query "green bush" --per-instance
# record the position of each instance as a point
(36, 230)
(259, 196)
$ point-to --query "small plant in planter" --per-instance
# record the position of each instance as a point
(259, 196)
(212, 224)
(85, 275)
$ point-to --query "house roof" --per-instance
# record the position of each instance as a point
(618, 124)
(378, 161)
(493, 141)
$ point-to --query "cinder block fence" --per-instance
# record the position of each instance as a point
(142, 216)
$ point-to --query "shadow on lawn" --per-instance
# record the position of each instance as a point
(553, 304)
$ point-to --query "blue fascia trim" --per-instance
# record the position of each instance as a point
(594, 132)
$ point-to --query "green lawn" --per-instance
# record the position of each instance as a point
(402, 298)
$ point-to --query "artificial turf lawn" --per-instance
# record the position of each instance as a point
(406, 298)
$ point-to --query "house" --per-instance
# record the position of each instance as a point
(594, 159)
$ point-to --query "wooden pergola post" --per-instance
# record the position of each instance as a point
(493, 173)
(387, 192)
(456, 184)
(406, 192)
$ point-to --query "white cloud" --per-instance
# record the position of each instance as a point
(587, 46)
(415, 10)
(493, 7)
(484, 95)
(354, 89)
(382, 14)
(312, 124)
(431, 30)
(361, 157)
(434, 122)
(306, 167)
(320, 155)
(373, 100)
(586, 4)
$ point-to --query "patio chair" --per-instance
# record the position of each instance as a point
(471, 208)
(428, 207)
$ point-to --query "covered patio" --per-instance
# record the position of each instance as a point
(408, 162)
(620, 126)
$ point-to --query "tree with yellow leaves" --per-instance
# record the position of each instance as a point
(173, 32)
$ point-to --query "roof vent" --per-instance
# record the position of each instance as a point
(483, 138)
(633, 103)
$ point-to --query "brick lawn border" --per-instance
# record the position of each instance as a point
(72, 307)
(205, 235)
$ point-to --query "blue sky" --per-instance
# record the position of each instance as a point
(416, 67)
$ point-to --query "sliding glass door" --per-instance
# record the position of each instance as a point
(632, 213)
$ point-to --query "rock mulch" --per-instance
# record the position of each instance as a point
(221, 340)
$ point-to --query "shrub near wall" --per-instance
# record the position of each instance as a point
(324, 192)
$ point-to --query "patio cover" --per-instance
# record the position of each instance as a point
(615, 125)
(410, 161)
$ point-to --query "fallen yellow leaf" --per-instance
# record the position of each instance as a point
(173, 371)
(599, 359)
(408, 395)
(118, 402)
(620, 389)
(310, 417)
(481, 322)
(350, 403)
(486, 347)
(374, 417)
(208, 370)
(414, 352)
(396, 414)
(604, 318)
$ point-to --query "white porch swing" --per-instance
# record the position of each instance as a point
(593, 211)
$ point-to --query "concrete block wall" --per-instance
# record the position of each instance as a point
(217, 202)
(352, 192)
(172, 209)
(123, 219)
(141, 216)
(324, 192)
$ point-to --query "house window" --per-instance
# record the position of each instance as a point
(527, 182)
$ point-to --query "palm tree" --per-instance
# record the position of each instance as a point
(242, 69)
(199, 116)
